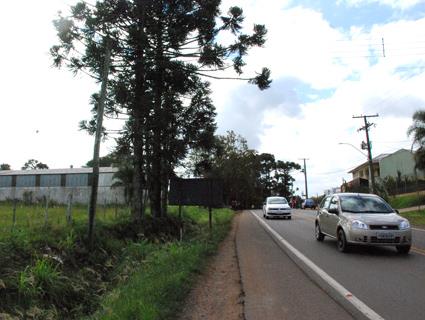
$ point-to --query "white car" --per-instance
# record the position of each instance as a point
(276, 207)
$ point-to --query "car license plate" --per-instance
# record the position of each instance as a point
(385, 235)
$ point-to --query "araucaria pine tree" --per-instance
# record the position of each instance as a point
(162, 54)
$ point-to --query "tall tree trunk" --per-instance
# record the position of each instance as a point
(99, 120)
(139, 115)
(164, 188)
(138, 177)
(157, 154)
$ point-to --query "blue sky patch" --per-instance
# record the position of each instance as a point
(344, 16)
(308, 94)
(409, 71)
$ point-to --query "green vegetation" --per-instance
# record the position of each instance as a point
(416, 130)
(34, 216)
(155, 77)
(407, 200)
(416, 218)
(155, 290)
(134, 271)
(247, 177)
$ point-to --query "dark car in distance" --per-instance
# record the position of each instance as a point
(308, 204)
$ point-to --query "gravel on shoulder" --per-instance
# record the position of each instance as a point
(218, 292)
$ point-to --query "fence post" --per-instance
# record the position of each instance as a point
(46, 210)
(116, 207)
(69, 210)
(181, 221)
(104, 209)
(14, 214)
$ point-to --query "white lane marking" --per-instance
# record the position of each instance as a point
(417, 229)
(345, 294)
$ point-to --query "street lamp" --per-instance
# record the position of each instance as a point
(370, 168)
(354, 148)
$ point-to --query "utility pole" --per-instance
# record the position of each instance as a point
(305, 177)
(366, 127)
(99, 120)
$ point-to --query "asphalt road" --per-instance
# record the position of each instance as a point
(392, 285)
(273, 285)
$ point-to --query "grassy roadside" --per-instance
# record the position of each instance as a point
(416, 218)
(34, 216)
(407, 200)
(160, 284)
(135, 272)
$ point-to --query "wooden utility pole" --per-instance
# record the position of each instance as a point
(366, 127)
(99, 120)
(305, 177)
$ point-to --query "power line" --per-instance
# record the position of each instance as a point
(333, 172)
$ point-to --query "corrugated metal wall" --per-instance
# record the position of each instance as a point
(59, 187)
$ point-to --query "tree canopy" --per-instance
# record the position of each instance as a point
(162, 53)
(417, 130)
(248, 177)
(106, 161)
(5, 166)
(33, 164)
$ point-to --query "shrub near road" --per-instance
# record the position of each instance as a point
(158, 286)
(407, 200)
(47, 273)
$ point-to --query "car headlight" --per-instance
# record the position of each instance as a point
(404, 225)
(357, 224)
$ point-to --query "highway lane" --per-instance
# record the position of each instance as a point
(418, 233)
(392, 285)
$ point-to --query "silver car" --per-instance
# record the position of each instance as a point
(276, 207)
(362, 219)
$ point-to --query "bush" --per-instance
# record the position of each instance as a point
(49, 273)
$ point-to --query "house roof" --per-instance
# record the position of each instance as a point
(376, 159)
(56, 171)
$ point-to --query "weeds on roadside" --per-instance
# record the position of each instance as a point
(50, 274)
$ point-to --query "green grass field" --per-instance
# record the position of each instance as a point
(34, 216)
(134, 271)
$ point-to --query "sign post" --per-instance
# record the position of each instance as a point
(198, 192)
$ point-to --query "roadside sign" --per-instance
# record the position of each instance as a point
(198, 191)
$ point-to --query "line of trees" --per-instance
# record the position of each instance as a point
(31, 164)
(162, 52)
(248, 177)
(5, 166)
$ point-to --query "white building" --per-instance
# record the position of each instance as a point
(59, 185)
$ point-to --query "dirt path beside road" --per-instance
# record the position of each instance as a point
(218, 294)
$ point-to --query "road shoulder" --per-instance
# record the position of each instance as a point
(218, 291)
(274, 286)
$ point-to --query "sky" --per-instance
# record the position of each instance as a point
(330, 61)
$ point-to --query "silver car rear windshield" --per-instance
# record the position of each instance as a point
(277, 201)
(359, 204)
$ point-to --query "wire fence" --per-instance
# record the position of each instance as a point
(18, 215)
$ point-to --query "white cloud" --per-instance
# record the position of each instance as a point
(303, 46)
(36, 96)
(397, 4)
(322, 77)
